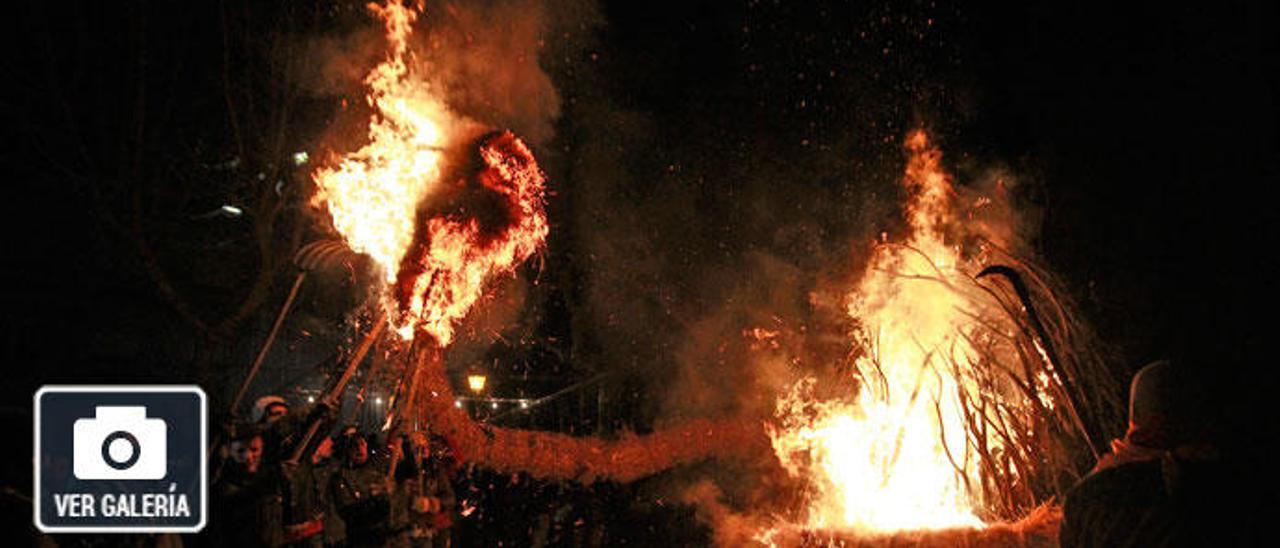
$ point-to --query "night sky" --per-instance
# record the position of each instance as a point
(697, 132)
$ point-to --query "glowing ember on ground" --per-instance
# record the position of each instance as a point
(900, 455)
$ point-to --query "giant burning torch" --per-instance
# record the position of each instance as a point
(388, 200)
(434, 267)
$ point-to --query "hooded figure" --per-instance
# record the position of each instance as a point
(1162, 483)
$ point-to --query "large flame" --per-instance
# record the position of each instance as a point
(373, 193)
(898, 455)
(437, 266)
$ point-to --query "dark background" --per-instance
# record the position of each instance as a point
(1145, 134)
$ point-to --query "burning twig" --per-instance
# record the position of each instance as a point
(1055, 363)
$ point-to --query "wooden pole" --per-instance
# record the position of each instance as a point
(334, 395)
(266, 345)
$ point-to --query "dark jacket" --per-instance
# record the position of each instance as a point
(361, 498)
(247, 510)
(1156, 502)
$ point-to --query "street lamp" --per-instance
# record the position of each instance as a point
(476, 382)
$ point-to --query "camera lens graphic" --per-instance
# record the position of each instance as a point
(134, 453)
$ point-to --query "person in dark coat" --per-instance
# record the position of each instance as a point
(303, 501)
(362, 494)
(1163, 483)
(306, 498)
(246, 499)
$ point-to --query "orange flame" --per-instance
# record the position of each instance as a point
(373, 193)
(437, 266)
(899, 456)
(445, 275)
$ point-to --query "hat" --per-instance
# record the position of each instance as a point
(262, 404)
(1168, 406)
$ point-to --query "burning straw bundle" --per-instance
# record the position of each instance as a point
(1034, 391)
(971, 407)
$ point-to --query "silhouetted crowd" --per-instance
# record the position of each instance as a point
(273, 485)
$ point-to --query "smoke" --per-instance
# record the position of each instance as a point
(998, 208)
(714, 300)
(706, 259)
(729, 526)
(485, 57)
(688, 244)
(673, 285)
(337, 62)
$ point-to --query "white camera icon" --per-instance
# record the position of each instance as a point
(119, 443)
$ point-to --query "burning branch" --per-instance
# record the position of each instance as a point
(1051, 355)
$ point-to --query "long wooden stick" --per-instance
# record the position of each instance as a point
(334, 395)
(400, 404)
(266, 345)
(413, 379)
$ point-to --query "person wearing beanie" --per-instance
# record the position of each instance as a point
(1162, 484)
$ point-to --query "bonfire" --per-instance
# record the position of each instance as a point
(967, 414)
(966, 421)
